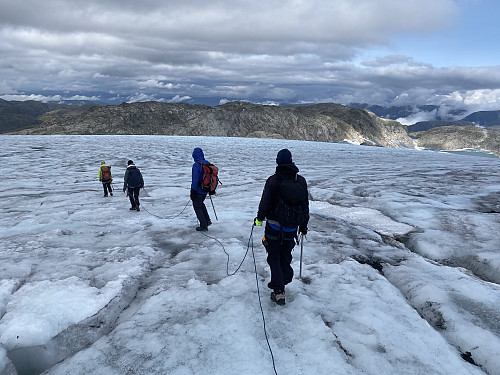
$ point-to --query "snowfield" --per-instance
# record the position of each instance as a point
(401, 265)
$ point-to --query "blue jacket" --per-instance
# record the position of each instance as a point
(197, 170)
(133, 178)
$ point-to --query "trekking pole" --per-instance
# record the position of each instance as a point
(301, 251)
(213, 208)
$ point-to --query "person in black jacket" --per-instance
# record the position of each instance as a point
(134, 182)
(285, 205)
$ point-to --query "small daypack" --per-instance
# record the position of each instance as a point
(290, 211)
(210, 178)
(106, 172)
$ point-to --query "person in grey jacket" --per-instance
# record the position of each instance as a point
(133, 181)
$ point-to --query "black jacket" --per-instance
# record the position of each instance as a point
(269, 198)
(133, 178)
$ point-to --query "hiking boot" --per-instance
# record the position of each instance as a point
(132, 208)
(111, 194)
(209, 223)
(105, 195)
(279, 298)
(137, 208)
(200, 229)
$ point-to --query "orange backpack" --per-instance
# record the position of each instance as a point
(106, 172)
(210, 178)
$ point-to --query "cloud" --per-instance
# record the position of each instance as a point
(292, 51)
(6, 88)
(49, 98)
(387, 60)
(142, 97)
(418, 116)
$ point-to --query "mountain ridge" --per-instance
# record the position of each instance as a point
(325, 122)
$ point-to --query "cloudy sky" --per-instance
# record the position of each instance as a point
(388, 52)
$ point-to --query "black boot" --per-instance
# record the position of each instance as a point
(279, 298)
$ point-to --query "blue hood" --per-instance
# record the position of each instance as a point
(198, 155)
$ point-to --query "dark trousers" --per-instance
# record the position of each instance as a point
(106, 185)
(200, 209)
(279, 257)
(133, 195)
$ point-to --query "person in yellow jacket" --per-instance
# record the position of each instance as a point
(106, 178)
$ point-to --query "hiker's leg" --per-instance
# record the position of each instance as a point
(198, 209)
(104, 187)
(136, 196)
(131, 196)
(273, 259)
(204, 209)
(286, 256)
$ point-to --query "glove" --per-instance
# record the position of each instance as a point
(257, 222)
(303, 229)
(192, 194)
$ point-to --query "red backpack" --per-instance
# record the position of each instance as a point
(106, 172)
(210, 178)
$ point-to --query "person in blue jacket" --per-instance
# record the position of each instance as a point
(133, 181)
(197, 194)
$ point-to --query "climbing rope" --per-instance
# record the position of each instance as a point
(164, 217)
(260, 303)
(249, 245)
(227, 254)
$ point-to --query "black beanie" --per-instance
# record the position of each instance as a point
(130, 162)
(284, 157)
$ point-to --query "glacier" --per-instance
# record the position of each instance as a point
(400, 270)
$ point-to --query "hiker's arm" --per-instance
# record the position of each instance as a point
(306, 203)
(125, 180)
(266, 200)
(196, 175)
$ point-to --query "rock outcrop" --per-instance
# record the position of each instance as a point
(459, 137)
(322, 122)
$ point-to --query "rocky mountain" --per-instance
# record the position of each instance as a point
(459, 137)
(327, 122)
(15, 115)
(426, 125)
(488, 119)
(322, 122)
(484, 118)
